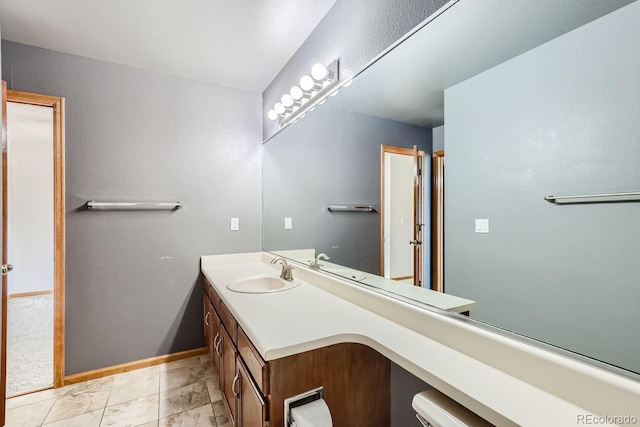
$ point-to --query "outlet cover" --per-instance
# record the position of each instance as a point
(235, 224)
(482, 225)
(288, 223)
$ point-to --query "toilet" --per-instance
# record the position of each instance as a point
(437, 410)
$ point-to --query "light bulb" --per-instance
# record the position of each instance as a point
(287, 100)
(348, 83)
(334, 93)
(306, 83)
(304, 101)
(296, 93)
(279, 108)
(319, 71)
(272, 114)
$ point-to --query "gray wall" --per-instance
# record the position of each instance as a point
(561, 119)
(404, 386)
(355, 31)
(132, 287)
(438, 138)
(331, 156)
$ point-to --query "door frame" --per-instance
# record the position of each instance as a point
(437, 223)
(404, 152)
(57, 104)
(3, 320)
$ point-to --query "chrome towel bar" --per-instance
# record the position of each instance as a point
(351, 208)
(133, 206)
(552, 199)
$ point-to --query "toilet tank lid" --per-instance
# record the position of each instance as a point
(442, 411)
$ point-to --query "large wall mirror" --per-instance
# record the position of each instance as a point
(525, 100)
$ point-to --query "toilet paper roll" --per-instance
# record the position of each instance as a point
(312, 414)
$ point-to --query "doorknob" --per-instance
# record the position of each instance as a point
(415, 242)
(6, 268)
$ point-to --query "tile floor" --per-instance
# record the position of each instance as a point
(180, 393)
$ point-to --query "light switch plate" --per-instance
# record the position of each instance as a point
(235, 224)
(288, 223)
(482, 225)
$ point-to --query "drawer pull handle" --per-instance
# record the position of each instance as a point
(217, 344)
(206, 321)
(233, 386)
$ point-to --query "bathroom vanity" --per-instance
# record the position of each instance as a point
(354, 377)
(330, 332)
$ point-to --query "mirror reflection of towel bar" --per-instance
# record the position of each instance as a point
(552, 199)
(132, 206)
(351, 208)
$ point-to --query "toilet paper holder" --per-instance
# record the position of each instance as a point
(299, 400)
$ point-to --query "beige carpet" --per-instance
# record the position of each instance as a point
(29, 343)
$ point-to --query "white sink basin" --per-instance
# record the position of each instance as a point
(349, 274)
(261, 285)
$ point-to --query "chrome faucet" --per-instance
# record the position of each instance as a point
(286, 269)
(316, 263)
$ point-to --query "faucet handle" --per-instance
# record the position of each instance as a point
(286, 268)
(287, 273)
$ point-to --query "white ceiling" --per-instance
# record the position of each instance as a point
(237, 43)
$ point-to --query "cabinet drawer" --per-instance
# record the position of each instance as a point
(258, 368)
(229, 322)
(213, 295)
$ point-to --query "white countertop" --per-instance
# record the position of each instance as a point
(423, 295)
(324, 311)
(281, 324)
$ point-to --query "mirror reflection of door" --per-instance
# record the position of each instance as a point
(437, 253)
(402, 213)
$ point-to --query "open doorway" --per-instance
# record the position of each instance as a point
(33, 214)
(402, 227)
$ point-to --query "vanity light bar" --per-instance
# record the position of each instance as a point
(311, 91)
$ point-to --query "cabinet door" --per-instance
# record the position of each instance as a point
(206, 312)
(215, 353)
(251, 406)
(228, 376)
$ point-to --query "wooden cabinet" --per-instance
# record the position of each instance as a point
(211, 332)
(356, 378)
(252, 410)
(206, 312)
(229, 375)
(221, 339)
